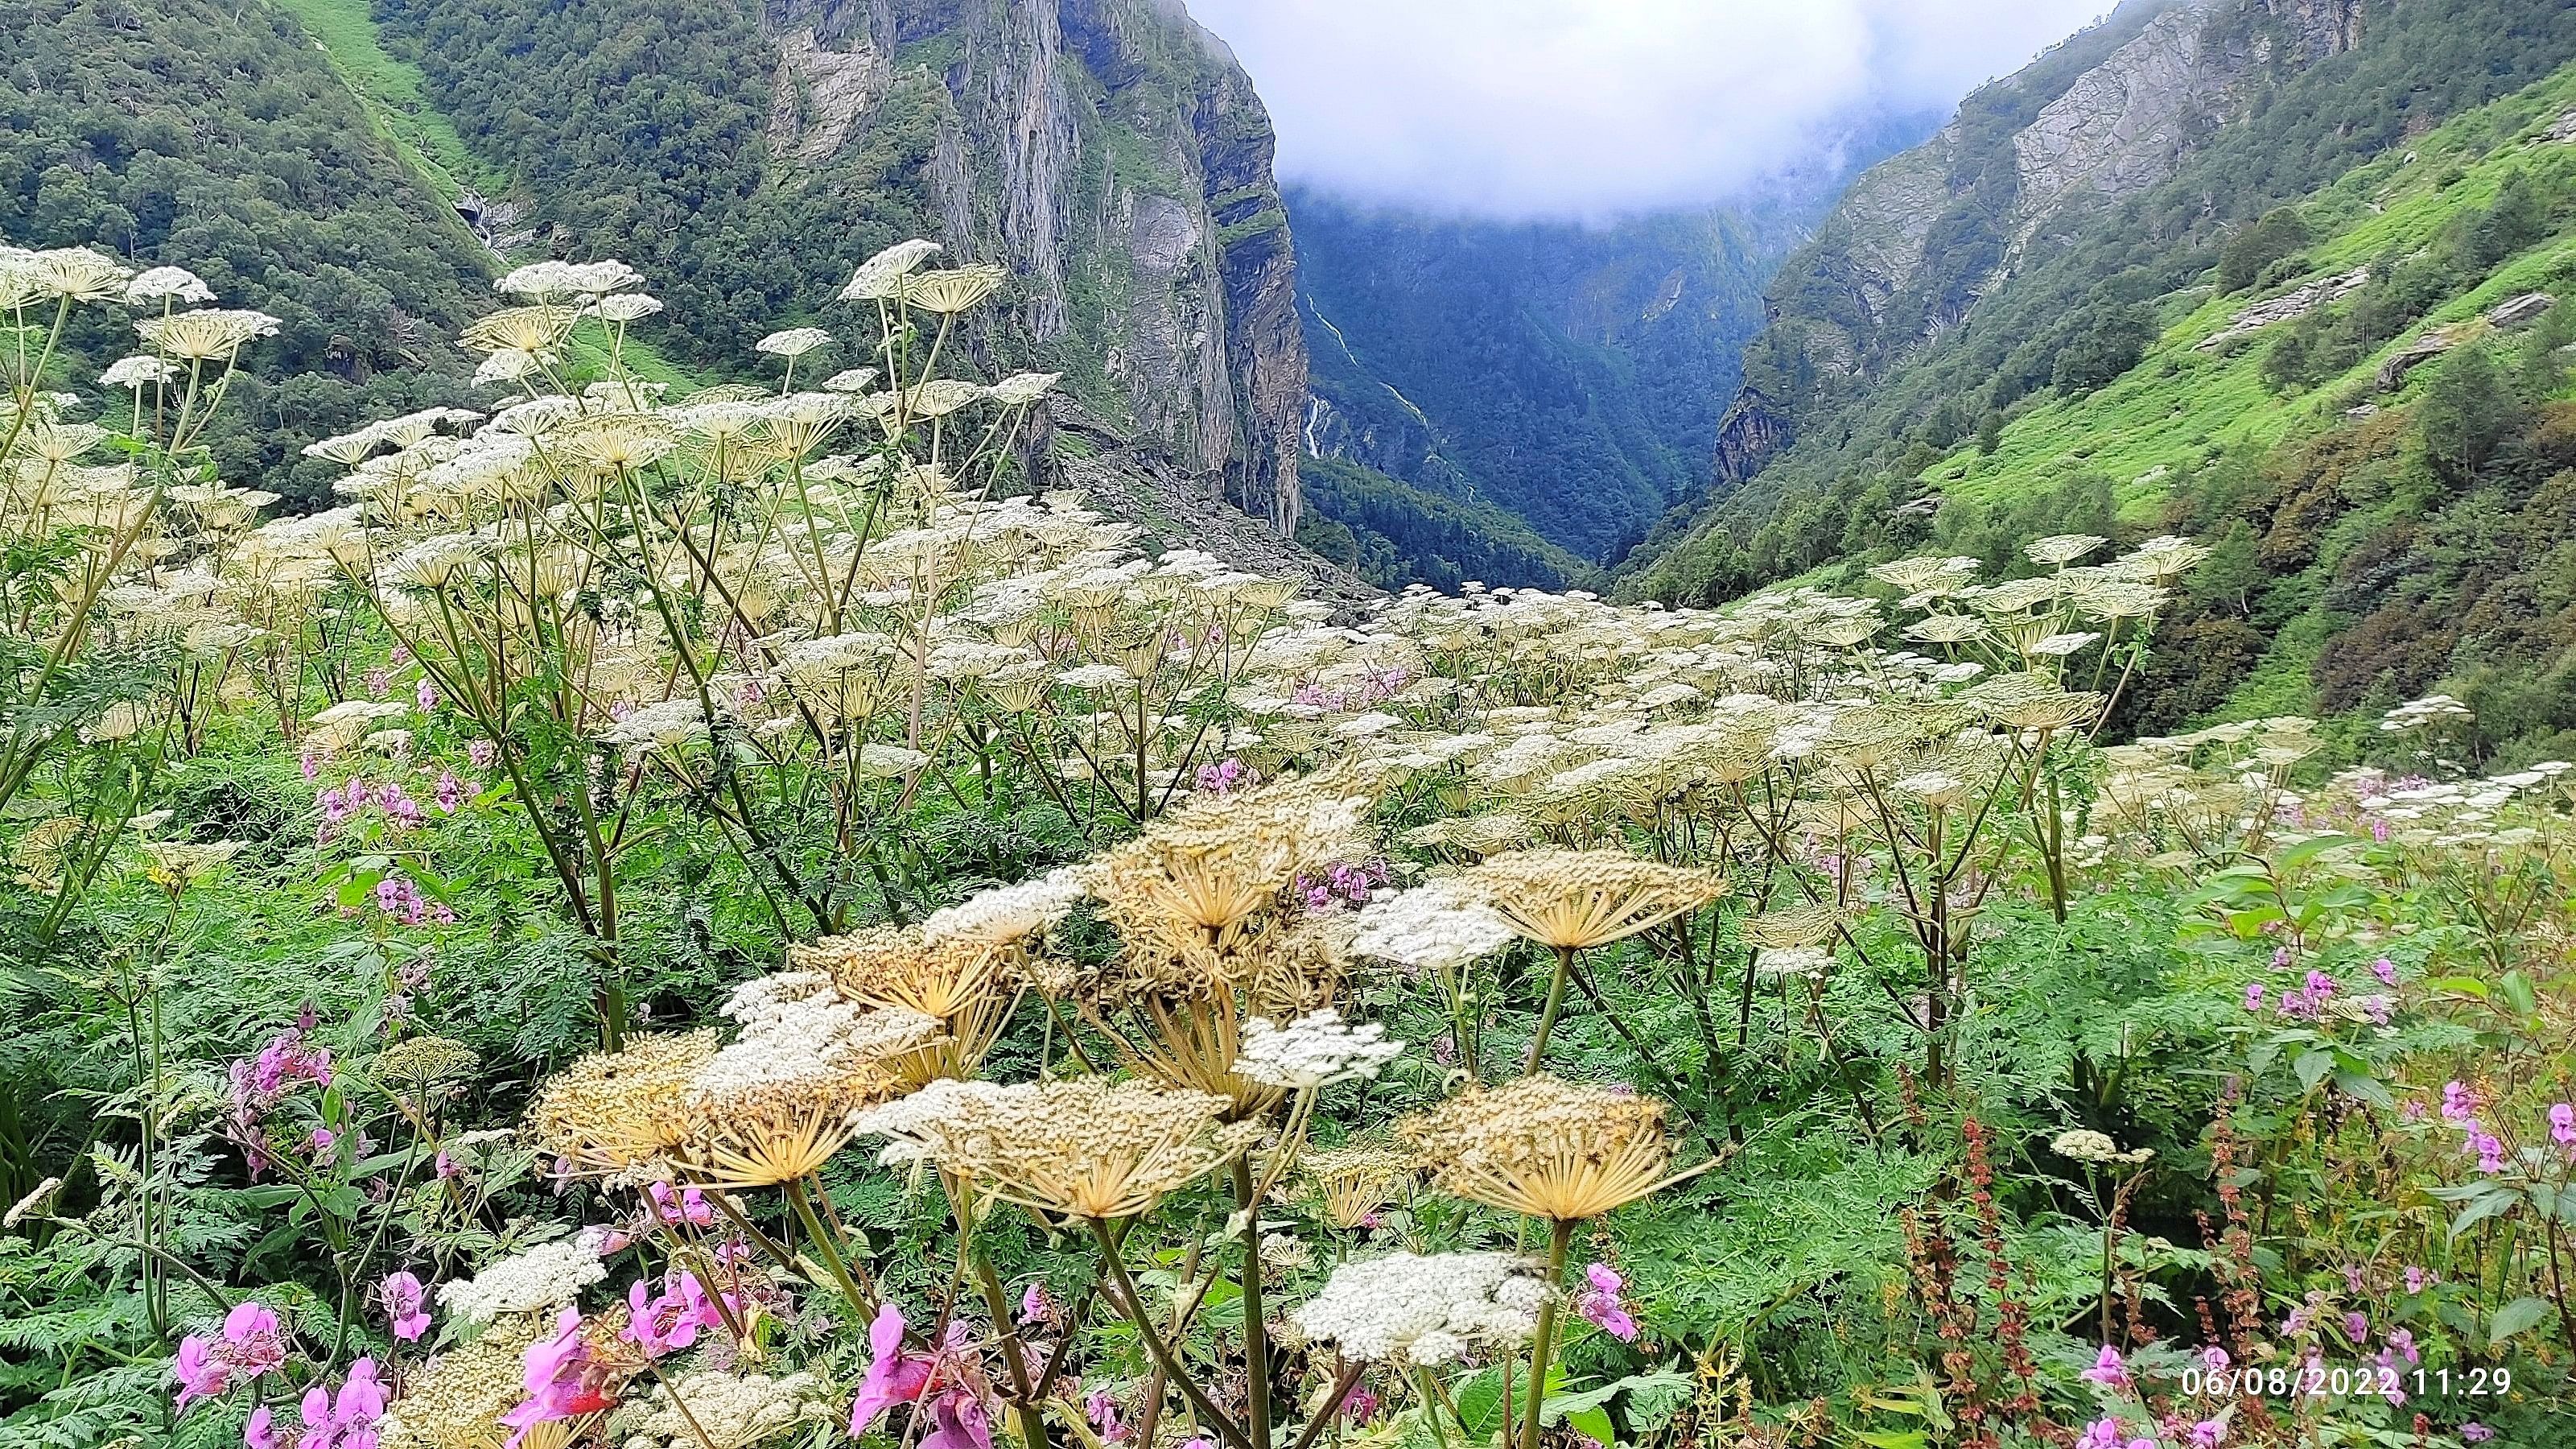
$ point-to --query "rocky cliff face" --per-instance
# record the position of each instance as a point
(1919, 238)
(1114, 157)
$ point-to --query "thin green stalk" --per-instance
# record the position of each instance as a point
(1256, 1332)
(1132, 1304)
(1560, 1234)
(831, 1253)
(1555, 1003)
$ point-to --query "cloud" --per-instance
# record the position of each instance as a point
(1588, 108)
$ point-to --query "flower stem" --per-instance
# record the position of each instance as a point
(830, 1251)
(1559, 1235)
(1256, 1332)
(1555, 1002)
(1133, 1305)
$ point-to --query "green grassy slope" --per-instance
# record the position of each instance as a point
(1392, 533)
(2092, 285)
(2181, 405)
(396, 94)
(215, 136)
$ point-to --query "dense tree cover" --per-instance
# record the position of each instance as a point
(214, 134)
(1394, 534)
(2406, 553)
(639, 127)
(1571, 376)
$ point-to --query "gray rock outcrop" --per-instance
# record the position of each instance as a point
(1113, 156)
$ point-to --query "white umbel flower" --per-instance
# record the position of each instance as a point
(794, 342)
(1435, 926)
(1316, 1048)
(1001, 916)
(1425, 1310)
(546, 1276)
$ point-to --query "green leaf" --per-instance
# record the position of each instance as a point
(1480, 1404)
(2362, 1086)
(1892, 1438)
(2499, 1200)
(2308, 850)
(2517, 992)
(2312, 1067)
(1658, 1383)
(2513, 1318)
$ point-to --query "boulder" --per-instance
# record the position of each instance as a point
(2297, 302)
(2418, 352)
(2514, 311)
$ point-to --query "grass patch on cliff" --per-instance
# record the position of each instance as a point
(2181, 406)
(396, 94)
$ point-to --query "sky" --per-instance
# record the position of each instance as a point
(1590, 109)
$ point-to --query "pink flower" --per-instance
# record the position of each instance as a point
(2474, 1432)
(893, 1377)
(2214, 1359)
(2109, 1369)
(2487, 1146)
(2385, 970)
(1359, 1405)
(362, 1397)
(2253, 996)
(315, 1410)
(1035, 1305)
(957, 1422)
(252, 1339)
(202, 1375)
(426, 695)
(2356, 1326)
(2414, 1279)
(2208, 1434)
(406, 1305)
(261, 1432)
(556, 1380)
(2103, 1433)
(1102, 1411)
(1601, 1306)
(2562, 1124)
(481, 753)
(689, 1205)
(2459, 1104)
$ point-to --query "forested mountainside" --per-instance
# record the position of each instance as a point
(1108, 152)
(1572, 376)
(216, 135)
(378, 166)
(2179, 276)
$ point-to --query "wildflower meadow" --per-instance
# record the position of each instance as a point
(706, 919)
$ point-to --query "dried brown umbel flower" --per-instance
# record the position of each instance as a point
(964, 984)
(1083, 1148)
(614, 1111)
(455, 1401)
(777, 1104)
(1349, 1184)
(1574, 900)
(1206, 868)
(1546, 1147)
(1789, 927)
